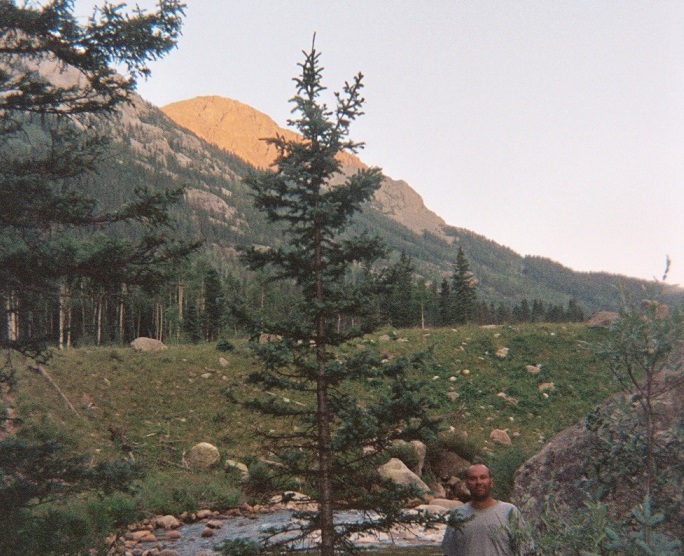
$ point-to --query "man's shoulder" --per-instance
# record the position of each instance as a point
(506, 508)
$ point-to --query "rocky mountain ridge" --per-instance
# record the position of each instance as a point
(240, 129)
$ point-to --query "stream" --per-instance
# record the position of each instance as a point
(191, 542)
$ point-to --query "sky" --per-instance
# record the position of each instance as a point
(553, 128)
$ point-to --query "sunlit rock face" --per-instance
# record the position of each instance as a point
(240, 129)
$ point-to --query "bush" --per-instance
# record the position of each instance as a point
(458, 443)
(225, 345)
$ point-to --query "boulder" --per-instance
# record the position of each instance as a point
(446, 503)
(396, 470)
(603, 319)
(144, 345)
(500, 436)
(202, 456)
(447, 464)
(559, 468)
(241, 467)
(166, 522)
(502, 352)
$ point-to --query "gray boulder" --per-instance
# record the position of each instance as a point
(143, 344)
(560, 466)
(396, 470)
(202, 456)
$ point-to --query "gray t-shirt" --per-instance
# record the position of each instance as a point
(488, 532)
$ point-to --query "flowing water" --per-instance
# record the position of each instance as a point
(419, 543)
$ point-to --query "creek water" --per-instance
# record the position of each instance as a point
(403, 543)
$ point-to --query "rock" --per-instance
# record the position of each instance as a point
(214, 524)
(205, 514)
(437, 489)
(557, 470)
(447, 464)
(500, 436)
(268, 338)
(168, 552)
(241, 467)
(502, 352)
(396, 471)
(508, 399)
(166, 522)
(173, 535)
(533, 369)
(421, 450)
(431, 509)
(546, 387)
(291, 499)
(223, 362)
(445, 503)
(603, 319)
(207, 532)
(384, 338)
(146, 345)
(202, 456)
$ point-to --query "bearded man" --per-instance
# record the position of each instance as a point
(484, 526)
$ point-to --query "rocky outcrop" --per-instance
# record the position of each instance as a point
(239, 129)
(558, 469)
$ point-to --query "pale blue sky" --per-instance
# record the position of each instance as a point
(554, 128)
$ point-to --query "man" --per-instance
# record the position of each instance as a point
(484, 526)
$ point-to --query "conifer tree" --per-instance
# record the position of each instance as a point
(325, 433)
(56, 80)
(399, 306)
(445, 304)
(463, 290)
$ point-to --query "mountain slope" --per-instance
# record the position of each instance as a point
(149, 148)
(240, 129)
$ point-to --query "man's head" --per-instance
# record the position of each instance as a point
(479, 482)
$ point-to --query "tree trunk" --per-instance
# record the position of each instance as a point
(12, 319)
(63, 295)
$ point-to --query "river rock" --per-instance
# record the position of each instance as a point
(166, 522)
(202, 456)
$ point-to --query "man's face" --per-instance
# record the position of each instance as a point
(479, 482)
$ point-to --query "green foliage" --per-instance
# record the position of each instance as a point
(503, 464)
(337, 288)
(225, 345)
(456, 442)
(240, 547)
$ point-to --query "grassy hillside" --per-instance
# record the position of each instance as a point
(161, 404)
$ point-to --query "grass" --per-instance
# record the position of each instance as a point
(160, 404)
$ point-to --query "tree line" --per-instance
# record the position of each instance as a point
(204, 300)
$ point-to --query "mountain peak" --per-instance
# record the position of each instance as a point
(240, 129)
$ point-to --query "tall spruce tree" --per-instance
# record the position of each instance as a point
(463, 290)
(56, 81)
(330, 439)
